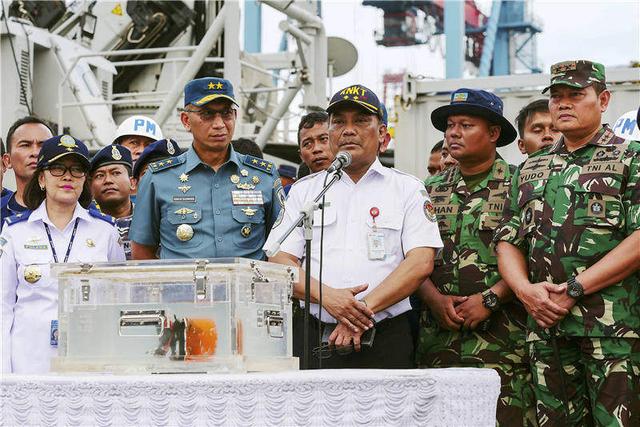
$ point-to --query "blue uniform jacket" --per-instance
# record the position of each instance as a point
(229, 212)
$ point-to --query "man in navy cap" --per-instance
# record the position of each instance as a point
(287, 176)
(380, 238)
(156, 151)
(470, 318)
(111, 186)
(210, 201)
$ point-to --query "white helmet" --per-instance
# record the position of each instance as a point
(627, 126)
(139, 125)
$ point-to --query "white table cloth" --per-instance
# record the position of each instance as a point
(434, 397)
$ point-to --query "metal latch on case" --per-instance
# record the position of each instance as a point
(275, 323)
(200, 279)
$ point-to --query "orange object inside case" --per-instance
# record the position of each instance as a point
(201, 338)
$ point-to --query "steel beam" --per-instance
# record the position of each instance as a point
(192, 67)
(454, 37)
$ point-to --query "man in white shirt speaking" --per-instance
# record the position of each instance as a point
(379, 241)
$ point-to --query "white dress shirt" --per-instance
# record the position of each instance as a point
(400, 199)
(29, 308)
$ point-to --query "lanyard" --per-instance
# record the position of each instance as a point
(53, 249)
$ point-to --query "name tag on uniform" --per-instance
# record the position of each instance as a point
(375, 245)
(188, 199)
(42, 247)
(248, 197)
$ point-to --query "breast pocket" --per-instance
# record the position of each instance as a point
(598, 210)
(249, 225)
(390, 224)
(34, 274)
(185, 224)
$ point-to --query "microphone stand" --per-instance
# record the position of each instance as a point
(306, 221)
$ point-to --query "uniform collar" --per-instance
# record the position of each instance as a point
(498, 172)
(41, 214)
(377, 167)
(193, 160)
(601, 138)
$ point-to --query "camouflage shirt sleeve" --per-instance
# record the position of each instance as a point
(631, 196)
(510, 224)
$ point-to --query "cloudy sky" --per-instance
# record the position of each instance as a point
(604, 31)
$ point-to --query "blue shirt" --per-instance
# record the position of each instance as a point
(229, 212)
(9, 206)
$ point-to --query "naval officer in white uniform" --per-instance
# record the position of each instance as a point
(56, 228)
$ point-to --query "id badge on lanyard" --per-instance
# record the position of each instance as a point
(375, 238)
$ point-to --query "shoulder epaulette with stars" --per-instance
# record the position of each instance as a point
(97, 214)
(159, 165)
(19, 217)
(260, 164)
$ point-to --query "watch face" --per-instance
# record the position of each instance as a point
(491, 300)
(574, 290)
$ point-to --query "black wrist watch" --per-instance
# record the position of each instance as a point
(574, 288)
(490, 300)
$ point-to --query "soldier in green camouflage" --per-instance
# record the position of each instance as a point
(471, 320)
(569, 249)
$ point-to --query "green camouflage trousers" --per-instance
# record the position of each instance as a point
(601, 381)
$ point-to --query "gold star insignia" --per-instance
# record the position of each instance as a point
(263, 164)
(219, 85)
(355, 98)
(160, 163)
(168, 161)
(254, 161)
(211, 85)
(184, 177)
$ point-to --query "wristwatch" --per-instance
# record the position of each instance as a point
(490, 300)
(574, 288)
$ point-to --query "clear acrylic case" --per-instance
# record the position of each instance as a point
(215, 315)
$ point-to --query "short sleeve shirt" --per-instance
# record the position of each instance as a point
(400, 200)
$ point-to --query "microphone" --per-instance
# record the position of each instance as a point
(343, 159)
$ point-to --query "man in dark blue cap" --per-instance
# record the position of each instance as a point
(380, 239)
(111, 186)
(209, 202)
(470, 317)
(159, 150)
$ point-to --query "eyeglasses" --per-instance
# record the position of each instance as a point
(207, 115)
(61, 170)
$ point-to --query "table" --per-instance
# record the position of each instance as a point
(438, 397)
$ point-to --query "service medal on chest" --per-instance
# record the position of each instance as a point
(184, 232)
(32, 273)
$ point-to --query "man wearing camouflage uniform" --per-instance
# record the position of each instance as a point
(569, 249)
(472, 319)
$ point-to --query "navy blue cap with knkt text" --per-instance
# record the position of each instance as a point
(357, 95)
(201, 91)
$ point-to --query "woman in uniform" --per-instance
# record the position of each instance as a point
(57, 228)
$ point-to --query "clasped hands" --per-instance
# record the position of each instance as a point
(457, 313)
(353, 316)
(546, 302)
